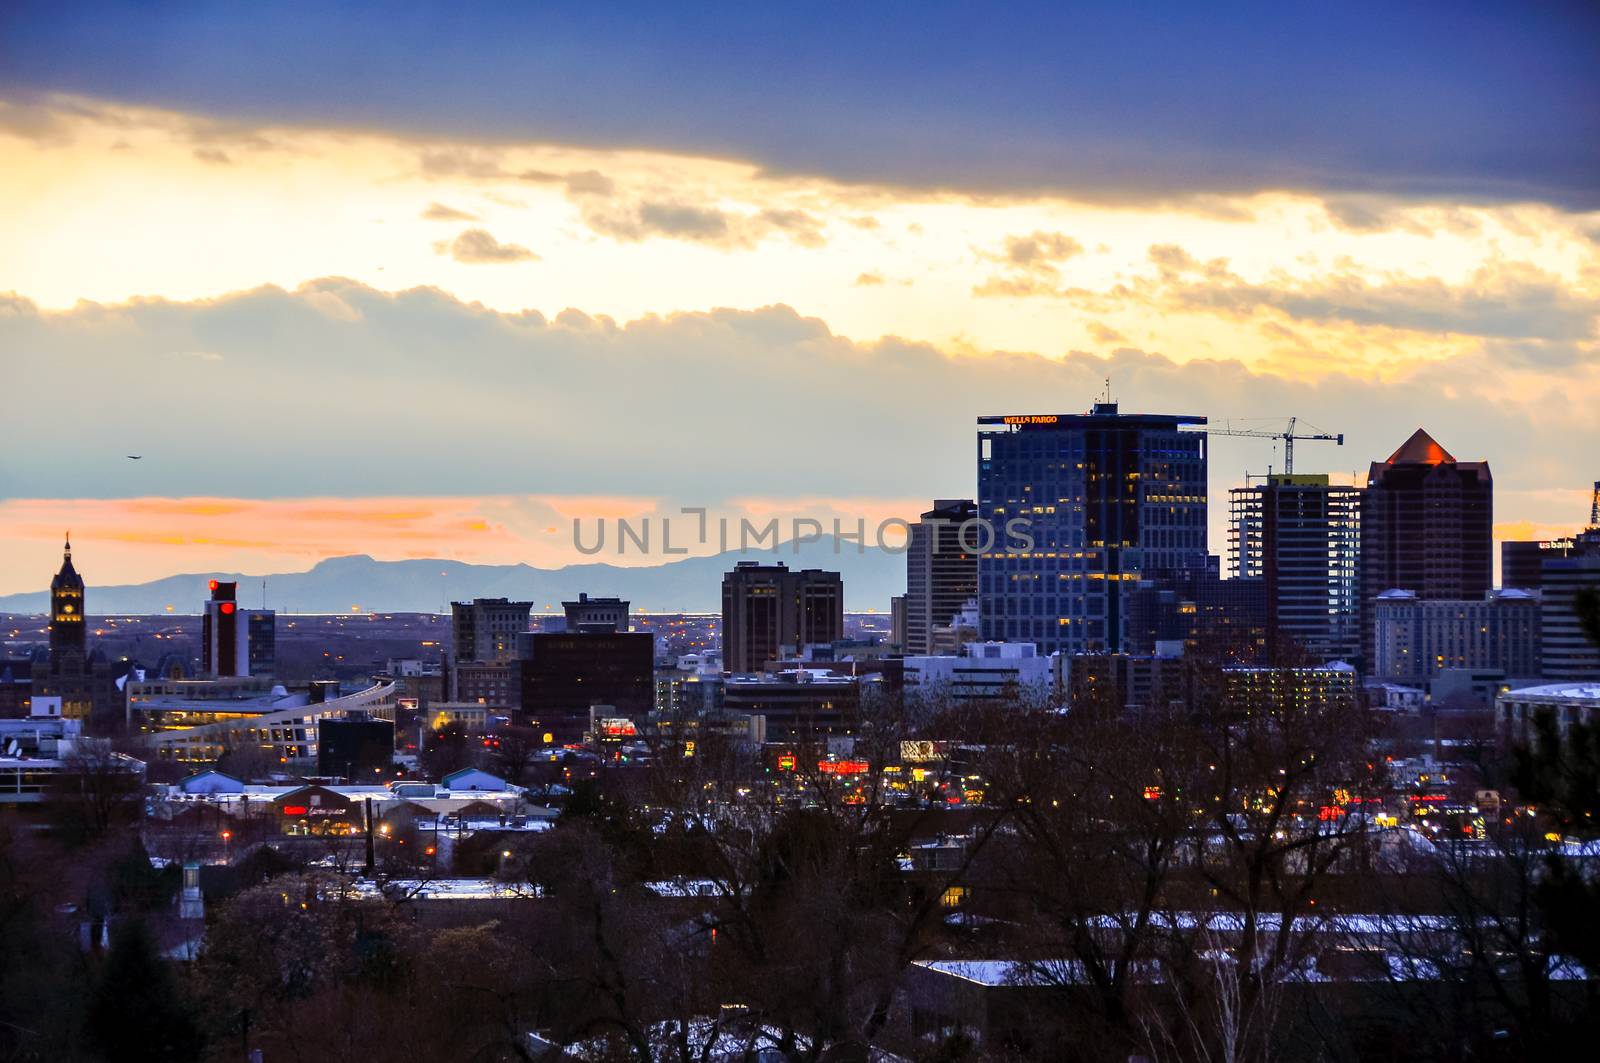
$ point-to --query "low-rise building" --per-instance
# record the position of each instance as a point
(1273, 690)
(41, 754)
(1565, 703)
(797, 705)
(203, 719)
(982, 672)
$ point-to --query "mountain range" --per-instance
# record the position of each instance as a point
(362, 583)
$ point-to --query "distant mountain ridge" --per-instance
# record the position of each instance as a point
(337, 584)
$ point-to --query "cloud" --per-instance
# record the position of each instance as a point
(497, 384)
(440, 212)
(696, 223)
(1106, 335)
(1040, 247)
(1504, 301)
(212, 155)
(1030, 265)
(479, 245)
(1334, 98)
(869, 280)
(589, 183)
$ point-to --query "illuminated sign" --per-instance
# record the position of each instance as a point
(786, 762)
(841, 767)
(917, 752)
(1328, 813)
(1152, 793)
(617, 728)
(312, 812)
(1031, 418)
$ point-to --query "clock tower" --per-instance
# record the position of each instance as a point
(67, 629)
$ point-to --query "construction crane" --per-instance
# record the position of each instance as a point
(1288, 436)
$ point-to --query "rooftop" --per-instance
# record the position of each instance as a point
(1575, 691)
(1421, 449)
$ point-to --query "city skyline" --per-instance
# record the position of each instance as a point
(431, 301)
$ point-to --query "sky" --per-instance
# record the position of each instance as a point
(434, 280)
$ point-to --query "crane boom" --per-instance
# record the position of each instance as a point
(1289, 435)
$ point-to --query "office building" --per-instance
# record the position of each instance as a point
(941, 569)
(1414, 640)
(962, 628)
(494, 683)
(1215, 619)
(1106, 499)
(767, 607)
(800, 705)
(1256, 691)
(357, 747)
(1301, 536)
(897, 622)
(567, 673)
(605, 614)
(1522, 561)
(1427, 527)
(235, 641)
(982, 672)
(1567, 652)
(488, 636)
(486, 629)
(1113, 683)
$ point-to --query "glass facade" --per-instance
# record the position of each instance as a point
(1106, 500)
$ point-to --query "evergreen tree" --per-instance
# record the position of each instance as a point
(137, 1011)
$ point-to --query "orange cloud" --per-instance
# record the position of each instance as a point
(133, 540)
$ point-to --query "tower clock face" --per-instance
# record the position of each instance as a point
(67, 609)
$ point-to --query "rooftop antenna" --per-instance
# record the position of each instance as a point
(1594, 507)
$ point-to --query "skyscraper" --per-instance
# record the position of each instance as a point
(1565, 647)
(941, 574)
(765, 607)
(1426, 526)
(1107, 499)
(235, 641)
(1301, 536)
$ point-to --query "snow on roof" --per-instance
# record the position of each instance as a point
(1561, 691)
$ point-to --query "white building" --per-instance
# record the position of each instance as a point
(38, 752)
(1569, 703)
(984, 671)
